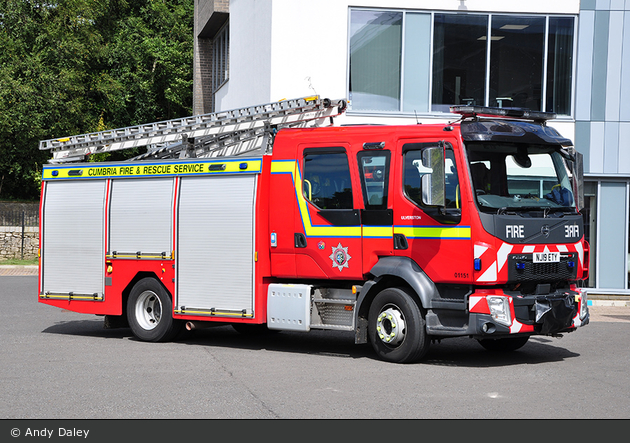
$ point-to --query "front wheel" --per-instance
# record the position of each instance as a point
(397, 327)
(149, 311)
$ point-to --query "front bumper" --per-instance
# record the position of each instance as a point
(548, 314)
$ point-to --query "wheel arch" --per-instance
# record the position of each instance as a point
(139, 276)
(391, 272)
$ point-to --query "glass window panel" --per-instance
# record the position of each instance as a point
(516, 62)
(327, 182)
(417, 62)
(590, 229)
(374, 170)
(375, 60)
(560, 65)
(220, 49)
(414, 171)
(459, 60)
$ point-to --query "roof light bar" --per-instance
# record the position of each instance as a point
(517, 113)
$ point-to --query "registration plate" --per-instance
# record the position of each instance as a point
(546, 257)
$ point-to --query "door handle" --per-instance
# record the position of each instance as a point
(299, 240)
(400, 241)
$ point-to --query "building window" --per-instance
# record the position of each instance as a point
(220, 58)
(413, 62)
(590, 229)
(459, 60)
(375, 53)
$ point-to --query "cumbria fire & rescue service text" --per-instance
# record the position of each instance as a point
(61, 432)
(146, 170)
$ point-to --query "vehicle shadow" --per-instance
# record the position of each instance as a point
(459, 352)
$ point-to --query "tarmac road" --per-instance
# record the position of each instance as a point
(58, 364)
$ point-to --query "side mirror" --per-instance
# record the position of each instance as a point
(577, 168)
(433, 187)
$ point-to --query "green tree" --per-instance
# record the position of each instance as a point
(75, 66)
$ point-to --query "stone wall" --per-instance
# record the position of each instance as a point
(12, 215)
(11, 242)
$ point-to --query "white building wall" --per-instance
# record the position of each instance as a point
(250, 55)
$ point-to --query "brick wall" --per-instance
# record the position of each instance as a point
(209, 16)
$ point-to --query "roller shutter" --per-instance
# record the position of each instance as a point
(73, 250)
(141, 217)
(215, 244)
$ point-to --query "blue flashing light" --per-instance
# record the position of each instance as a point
(571, 264)
(477, 264)
(520, 266)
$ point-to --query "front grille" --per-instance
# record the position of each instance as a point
(522, 269)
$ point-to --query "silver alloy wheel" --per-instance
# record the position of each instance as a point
(148, 310)
(390, 326)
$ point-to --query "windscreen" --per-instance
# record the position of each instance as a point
(520, 177)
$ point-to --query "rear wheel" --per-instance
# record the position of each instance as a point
(149, 311)
(504, 344)
(397, 327)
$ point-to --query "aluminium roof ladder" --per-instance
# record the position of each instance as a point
(235, 132)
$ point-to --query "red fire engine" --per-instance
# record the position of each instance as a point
(257, 218)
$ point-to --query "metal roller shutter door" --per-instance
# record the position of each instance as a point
(141, 216)
(215, 246)
(73, 250)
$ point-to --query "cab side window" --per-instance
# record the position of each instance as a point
(414, 170)
(374, 170)
(327, 182)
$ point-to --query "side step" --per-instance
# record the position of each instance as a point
(335, 314)
(304, 307)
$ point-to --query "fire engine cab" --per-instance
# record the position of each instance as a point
(264, 218)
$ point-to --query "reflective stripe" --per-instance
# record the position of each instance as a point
(213, 313)
(441, 232)
(142, 255)
(378, 231)
(290, 167)
(144, 169)
(425, 232)
(72, 297)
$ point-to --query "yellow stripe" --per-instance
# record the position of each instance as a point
(214, 313)
(130, 170)
(434, 232)
(290, 167)
(74, 297)
(142, 256)
(280, 166)
(378, 231)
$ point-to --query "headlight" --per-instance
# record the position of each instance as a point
(583, 305)
(500, 309)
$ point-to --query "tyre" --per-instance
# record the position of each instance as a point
(504, 344)
(396, 328)
(150, 312)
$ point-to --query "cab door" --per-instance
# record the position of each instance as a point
(328, 229)
(437, 238)
(377, 219)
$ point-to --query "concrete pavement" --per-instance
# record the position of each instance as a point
(18, 270)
